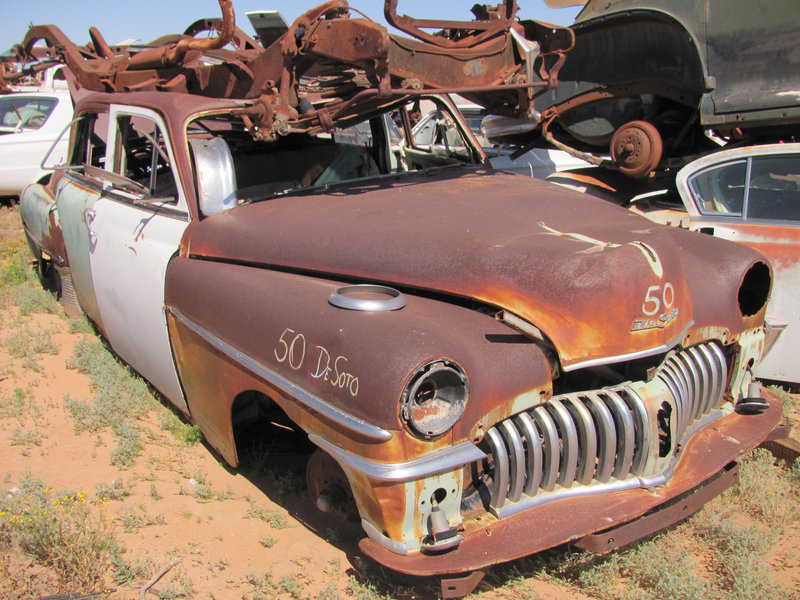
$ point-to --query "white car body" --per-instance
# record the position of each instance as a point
(749, 195)
(27, 133)
(766, 180)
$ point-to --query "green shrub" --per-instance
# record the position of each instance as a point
(61, 532)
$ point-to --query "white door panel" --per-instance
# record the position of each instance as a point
(129, 265)
(134, 244)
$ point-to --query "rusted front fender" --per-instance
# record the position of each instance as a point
(337, 373)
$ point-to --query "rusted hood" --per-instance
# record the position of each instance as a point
(598, 280)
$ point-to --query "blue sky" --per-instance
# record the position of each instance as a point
(148, 19)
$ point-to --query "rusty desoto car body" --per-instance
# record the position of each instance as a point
(749, 195)
(488, 365)
(648, 79)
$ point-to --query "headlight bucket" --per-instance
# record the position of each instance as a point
(434, 398)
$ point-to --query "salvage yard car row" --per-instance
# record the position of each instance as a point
(477, 357)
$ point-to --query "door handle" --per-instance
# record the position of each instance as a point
(88, 219)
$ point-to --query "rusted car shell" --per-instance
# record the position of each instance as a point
(396, 232)
(357, 361)
(533, 301)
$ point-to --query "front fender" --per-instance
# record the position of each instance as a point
(337, 373)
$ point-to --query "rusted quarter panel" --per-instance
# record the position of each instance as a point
(42, 223)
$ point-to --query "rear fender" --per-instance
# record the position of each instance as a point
(42, 225)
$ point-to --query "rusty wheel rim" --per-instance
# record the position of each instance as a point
(636, 148)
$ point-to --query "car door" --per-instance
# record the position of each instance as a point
(137, 226)
(753, 197)
(75, 196)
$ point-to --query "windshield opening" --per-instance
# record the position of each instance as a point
(232, 168)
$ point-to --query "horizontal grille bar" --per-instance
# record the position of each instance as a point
(600, 436)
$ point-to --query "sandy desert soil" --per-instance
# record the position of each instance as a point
(250, 533)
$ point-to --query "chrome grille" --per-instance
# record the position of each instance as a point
(601, 437)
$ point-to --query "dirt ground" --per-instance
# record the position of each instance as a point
(227, 534)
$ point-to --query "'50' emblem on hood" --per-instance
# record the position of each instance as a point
(658, 299)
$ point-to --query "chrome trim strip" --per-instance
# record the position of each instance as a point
(325, 411)
(550, 452)
(517, 458)
(512, 508)
(682, 399)
(606, 437)
(432, 464)
(626, 441)
(697, 387)
(587, 440)
(641, 430)
(608, 360)
(705, 369)
(719, 391)
(568, 467)
(691, 390)
(534, 445)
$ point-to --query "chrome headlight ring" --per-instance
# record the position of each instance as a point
(434, 398)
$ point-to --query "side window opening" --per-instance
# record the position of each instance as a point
(89, 146)
(774, 188)
(436, 137)
(141, 156)
(20, 113)
(720, 190)
(238, 169)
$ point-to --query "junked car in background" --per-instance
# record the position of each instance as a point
(749, 195)
(488, 365)
(493, 133)
(652, 81)
(32, 116)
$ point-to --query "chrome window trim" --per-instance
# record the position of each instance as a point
(109, 194)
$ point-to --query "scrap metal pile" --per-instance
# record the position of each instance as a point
(327, 67)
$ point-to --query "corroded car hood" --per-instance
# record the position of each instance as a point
(599, 281)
